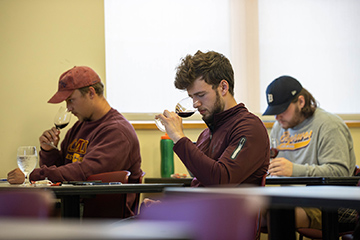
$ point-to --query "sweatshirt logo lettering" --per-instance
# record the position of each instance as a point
(294, 142)
(77, 149)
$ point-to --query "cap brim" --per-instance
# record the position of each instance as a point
(276, 109)
(60, 96)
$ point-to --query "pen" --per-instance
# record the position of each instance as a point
(109, 183)
(96, 183)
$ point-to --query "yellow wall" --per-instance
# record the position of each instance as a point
(40, 39)
(355, 133)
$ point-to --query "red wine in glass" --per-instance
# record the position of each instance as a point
(185, 114)
(273, 148)
(61, 126)
(184, 108)
(273, 152)
(61, 120)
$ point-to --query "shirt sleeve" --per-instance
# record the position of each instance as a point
(246, 153)
(52, 157)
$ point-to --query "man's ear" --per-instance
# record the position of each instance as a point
(301, 101)
(92, 92)
(224, 86)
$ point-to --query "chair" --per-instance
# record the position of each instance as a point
(316, 234)
(136, 205)
(357, 170)
(107, 205)
(261, 229)
(26, 204)
(211, 216)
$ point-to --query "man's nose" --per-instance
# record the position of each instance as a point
(69, 108)
(196, 104)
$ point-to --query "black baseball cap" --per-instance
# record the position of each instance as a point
(280, 93)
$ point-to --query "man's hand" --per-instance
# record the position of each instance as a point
(49, 136)
(16, 176)
(173, 125)
(280, 167)
(148, 202)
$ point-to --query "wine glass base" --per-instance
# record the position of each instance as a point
(159, 124)
(27, 184)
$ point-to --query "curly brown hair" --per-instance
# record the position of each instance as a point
(211, 66)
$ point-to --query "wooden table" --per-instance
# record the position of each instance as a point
(70, 195)
(283, 200)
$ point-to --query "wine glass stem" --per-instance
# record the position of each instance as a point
(53, 145)
(25, 180)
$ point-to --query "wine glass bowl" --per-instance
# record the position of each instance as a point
(273, 148)
(27, 158)
(184, 108)
(62, 118)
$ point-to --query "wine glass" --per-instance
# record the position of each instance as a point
(184, 108)
(61, 120)
(27, 158)
(273, 148)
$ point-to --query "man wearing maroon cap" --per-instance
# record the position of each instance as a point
(102, 140)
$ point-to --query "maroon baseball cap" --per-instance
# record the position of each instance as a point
(75, 78)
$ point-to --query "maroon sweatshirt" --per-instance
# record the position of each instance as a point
(233, 150)
(91, 147)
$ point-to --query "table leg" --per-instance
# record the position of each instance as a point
(282, 224)
(330, 225)
(70, 206)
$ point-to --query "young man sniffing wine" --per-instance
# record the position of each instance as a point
(102, 140)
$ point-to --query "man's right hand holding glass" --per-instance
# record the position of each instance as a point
(173, 125)
(280, 167)
(48, 138)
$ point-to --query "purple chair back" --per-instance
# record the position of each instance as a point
(26, 204)
(211, 216)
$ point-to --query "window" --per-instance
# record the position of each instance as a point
(145, 40)
(314, 41)
(318, 43)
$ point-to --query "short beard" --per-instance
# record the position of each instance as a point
(218, 108)
(297, 118)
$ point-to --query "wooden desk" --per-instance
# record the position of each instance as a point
(342, 181)
(185, 181)
(283, 200)
(70, 195)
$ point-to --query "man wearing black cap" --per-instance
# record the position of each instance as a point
(311, 141)
(102, 140)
